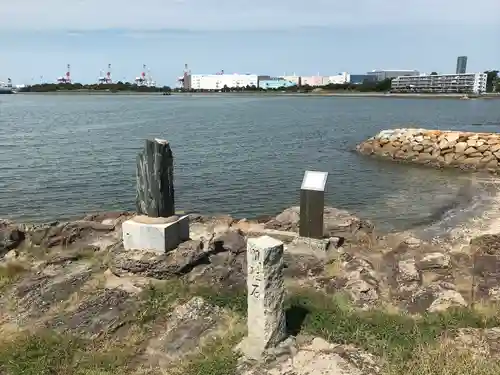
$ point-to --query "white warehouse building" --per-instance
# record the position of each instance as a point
(441, 83)
(339, 79)
(219, 81)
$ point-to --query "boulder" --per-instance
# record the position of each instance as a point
(11, 237)
(175, 263)
(337, 223)
(460, 147)
(434, 261)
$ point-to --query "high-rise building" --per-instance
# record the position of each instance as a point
(461, 64)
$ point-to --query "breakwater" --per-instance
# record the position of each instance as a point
(436, 148)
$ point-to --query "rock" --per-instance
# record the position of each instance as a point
(188, 327)
(434, 261)
(230, 240)
(337, 223)
(433, 298)
(65, 234)
(448, 158)
(407, 271)
(10, 237)
(11, 255)
(176, 263)
(447, 299)
(361, 281)
(488, 244)
(444, 144)
(470, 150)
(460, 147)
(317, 358)
(483, 148)
(101, 313)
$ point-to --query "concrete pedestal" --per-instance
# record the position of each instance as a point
(158, 234)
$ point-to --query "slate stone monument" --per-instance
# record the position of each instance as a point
(156, 227)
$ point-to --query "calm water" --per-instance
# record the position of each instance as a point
(63, 156)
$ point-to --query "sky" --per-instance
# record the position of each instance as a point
(306, 37)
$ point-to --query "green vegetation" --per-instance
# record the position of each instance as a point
(111, 87)
(492, 80)
(50, 353)
(393, 336)
(406, 344)
(216, 358)
(9, 273)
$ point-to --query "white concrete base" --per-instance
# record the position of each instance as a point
(156, 234)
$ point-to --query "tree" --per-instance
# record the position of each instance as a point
(434, 74)
(491, 79)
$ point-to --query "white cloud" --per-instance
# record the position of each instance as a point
(241, 14)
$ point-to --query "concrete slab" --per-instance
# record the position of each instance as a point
(143, 234)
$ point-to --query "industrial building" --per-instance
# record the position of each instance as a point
(442, 83)
(461, 65)
(220, 81)
(217, 81)
(313, 81)
(267, 83)
(339, 79)
(293, 78)
(380, 75)
(358, 79)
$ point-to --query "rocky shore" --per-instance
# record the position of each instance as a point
(440, 149)
(73, 301)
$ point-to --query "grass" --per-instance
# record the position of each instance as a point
(49, 353)
(158, 300)
(444, 359)
(234, 300)
(408, 345)
(214, 358)
(10, 272)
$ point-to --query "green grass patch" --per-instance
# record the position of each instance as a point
(158, 300)
(395, 337)
(49, 353)
(43, 354)
(10, 273)
(215, 358)
(234, 300)
(444, 359)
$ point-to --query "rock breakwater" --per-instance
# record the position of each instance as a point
(436, 148)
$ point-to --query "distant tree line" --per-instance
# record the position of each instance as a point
(111, 87)
(366, 86)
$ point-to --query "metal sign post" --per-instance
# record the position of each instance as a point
(312, 202)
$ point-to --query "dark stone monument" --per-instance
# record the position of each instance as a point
(155, 180)
(312, 202)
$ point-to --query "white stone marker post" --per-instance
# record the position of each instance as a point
(266, 294)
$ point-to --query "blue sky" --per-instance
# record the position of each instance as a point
(38, 38)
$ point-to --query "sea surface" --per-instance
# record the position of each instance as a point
(62, 156)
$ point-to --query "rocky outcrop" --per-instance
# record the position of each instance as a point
(337, 223)
(463, 150)
(76, 278)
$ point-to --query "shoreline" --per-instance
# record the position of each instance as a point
(488, 96)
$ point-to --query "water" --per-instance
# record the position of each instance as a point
(67, 155)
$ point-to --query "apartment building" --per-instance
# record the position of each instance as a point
(441, 83)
